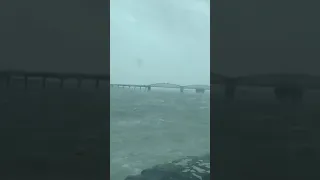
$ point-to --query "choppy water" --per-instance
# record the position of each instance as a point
(148, 128)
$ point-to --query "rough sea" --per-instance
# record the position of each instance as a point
(149, 128)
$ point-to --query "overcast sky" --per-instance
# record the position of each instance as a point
(161, 40)
(55, 36)
(155, 41)
(252, 37)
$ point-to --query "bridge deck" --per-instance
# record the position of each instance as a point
(54, 75)
(165, 85)
(26, 76)
(272, 80)
(130, 85)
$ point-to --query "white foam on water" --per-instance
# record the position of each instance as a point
(157, 138)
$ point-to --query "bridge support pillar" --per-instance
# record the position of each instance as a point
(79, 82)
(230, 89)
(25, 81)
(44, 82)
(181, 89)
(8, 80)
(62, 82)
(149, 88)
(200, 90)
(98, 83)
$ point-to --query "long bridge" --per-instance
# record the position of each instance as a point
(287, 86)
(8, 77)
(197, 88)
(292, 86)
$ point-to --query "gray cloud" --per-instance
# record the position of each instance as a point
(67, 36)
(156, 41)
(251, 37)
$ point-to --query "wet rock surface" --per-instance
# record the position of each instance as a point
(187, 168)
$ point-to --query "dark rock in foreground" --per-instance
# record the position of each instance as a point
(188, 168)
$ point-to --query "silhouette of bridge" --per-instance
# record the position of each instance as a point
(44, 77)
(197, 88)
(286, 86)
(9, 76)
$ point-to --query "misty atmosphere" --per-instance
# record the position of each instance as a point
(253, 37)
(159, 41)
(53, 132)
(265, 96)
(37, 38)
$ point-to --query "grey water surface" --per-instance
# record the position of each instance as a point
(53, 133)
(149, 128)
